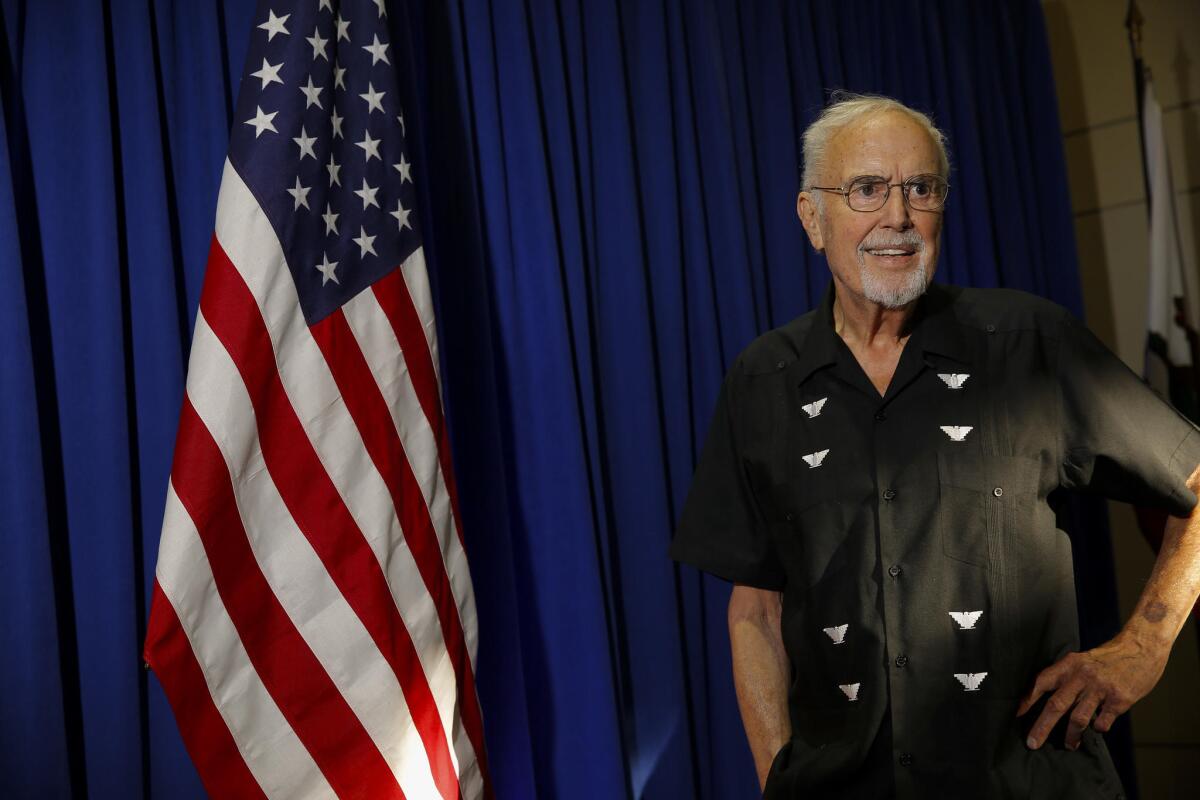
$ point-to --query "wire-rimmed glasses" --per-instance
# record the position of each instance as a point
(870, 192)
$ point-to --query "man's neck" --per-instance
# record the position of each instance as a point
(864, 323)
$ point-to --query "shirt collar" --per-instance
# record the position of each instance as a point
(938, 325)
(820, 348)
(935, 330)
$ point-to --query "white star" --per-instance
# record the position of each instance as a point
(374, 99)
(306, 143)
(330, 220)
(318, 44)
(382, 11)
(365, 243)
(300, 193)
(339, 77)
(367, 193)
(370, 146)
(336, 119)
(262, 122)
(313, 93)
(326, 268)
(326, 4)
(401, 214)
(343, 26)
(268, 74)
(400, 119)
(334, 168)
(405, 169)
(274, 25)
(378, 51)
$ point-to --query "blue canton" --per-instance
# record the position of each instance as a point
(319, 138)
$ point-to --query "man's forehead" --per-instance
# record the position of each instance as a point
(879, 144)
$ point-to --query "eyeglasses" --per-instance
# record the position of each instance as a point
(870, 192)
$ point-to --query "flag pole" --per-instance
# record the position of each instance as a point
(1133, 23)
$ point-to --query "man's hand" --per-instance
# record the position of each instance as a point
(1117, 674)
(1108, 679)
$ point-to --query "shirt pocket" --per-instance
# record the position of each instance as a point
(986, 506)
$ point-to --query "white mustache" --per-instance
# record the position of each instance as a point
(910, 240)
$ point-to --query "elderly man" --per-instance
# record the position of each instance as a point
(879, 484)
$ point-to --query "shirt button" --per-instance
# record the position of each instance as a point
(991, 328)
(894, 570)
(781, 365)
(998, 492)
(906, 759)
(789, 517)
(901, 661)
(880, 416)
(889, 494)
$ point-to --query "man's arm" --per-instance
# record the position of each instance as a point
(760, 672)
(1117, 674)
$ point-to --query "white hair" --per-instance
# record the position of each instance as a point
(848, 108)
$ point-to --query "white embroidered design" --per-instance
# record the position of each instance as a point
(957, 432)
(954, 380)
(814, 459)
(837, 633)
(966, 619)
(970, 680)
(813, 409)
(850, 690)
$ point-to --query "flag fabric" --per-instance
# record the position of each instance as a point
(1173, 310)
(313, 623)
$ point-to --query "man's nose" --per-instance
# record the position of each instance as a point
(895, 211)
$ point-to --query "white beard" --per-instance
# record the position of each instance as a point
(894, 291)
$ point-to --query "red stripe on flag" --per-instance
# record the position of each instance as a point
(370, 412)
(306, 696)
(314, 502)
(205, 734)
(392, 294)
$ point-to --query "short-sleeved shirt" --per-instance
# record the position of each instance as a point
(913, 536)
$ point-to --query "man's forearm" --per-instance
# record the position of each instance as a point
(1170, 593)
(760, 673)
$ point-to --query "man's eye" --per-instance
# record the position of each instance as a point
(920, 188)
(869, 189)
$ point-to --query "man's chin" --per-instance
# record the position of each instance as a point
(892, 289)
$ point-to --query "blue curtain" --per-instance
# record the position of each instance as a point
(610, 188)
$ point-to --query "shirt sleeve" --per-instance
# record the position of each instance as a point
(1121, 439)
(722, 529)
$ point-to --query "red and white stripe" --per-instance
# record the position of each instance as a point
(313, 620)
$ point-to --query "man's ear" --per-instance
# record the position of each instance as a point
(806, 209)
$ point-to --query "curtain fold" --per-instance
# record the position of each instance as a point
(610, 189)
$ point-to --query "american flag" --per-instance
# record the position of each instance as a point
(313, 622)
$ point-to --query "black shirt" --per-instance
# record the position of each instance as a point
(913, 536)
